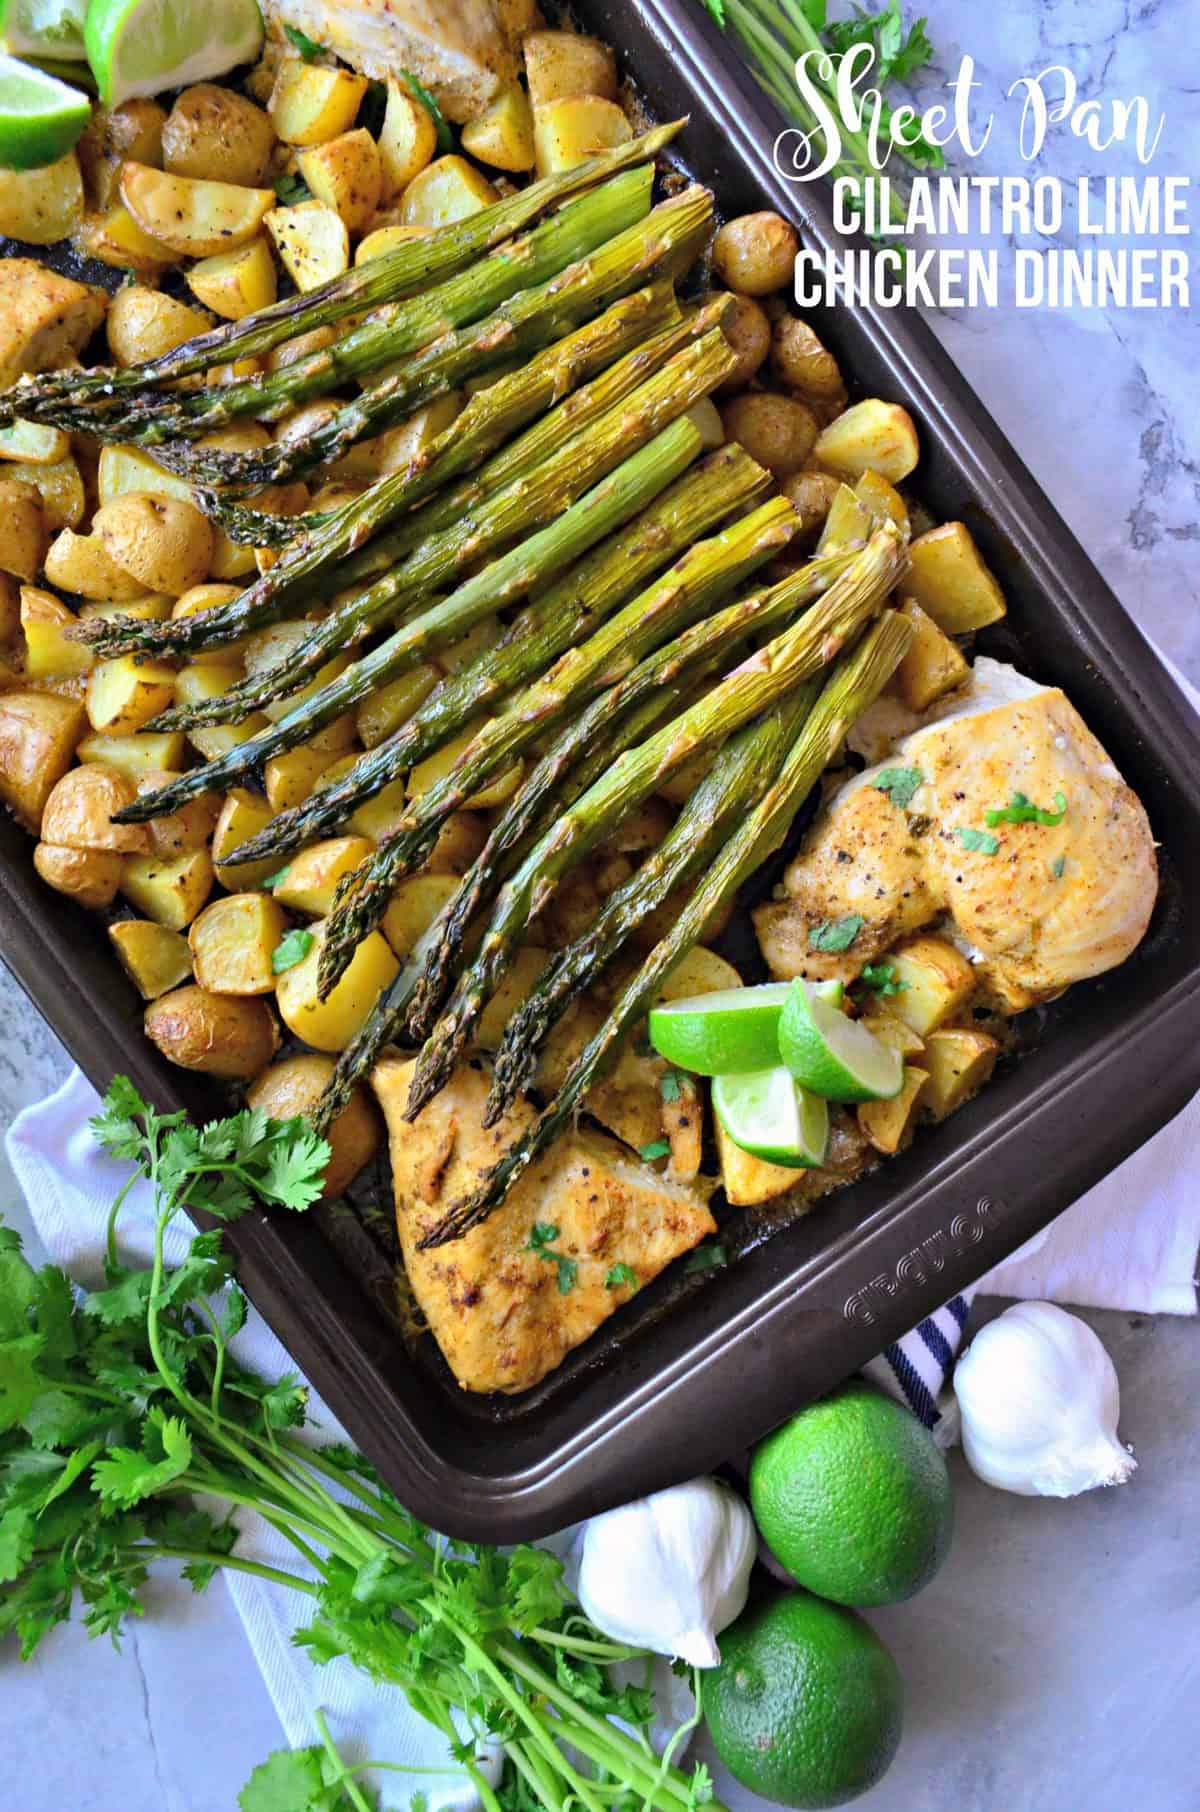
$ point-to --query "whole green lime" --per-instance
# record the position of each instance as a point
(853, 1497)
(806, 1705)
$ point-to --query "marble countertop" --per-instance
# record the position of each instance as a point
(1055, 1659)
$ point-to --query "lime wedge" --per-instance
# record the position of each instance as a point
(725, 1033)
(44, 29)
(138, 47)
(832, 1055)
(40, 117)
(769, 1115)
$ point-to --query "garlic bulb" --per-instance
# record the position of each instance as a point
(669, 1572)
(1039, 1402)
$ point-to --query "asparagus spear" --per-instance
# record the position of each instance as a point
(751, 688)
(521, 326)
(737, 780)
(584, 597)
(411, 265)
(855, 683)
(533, 500)
(347, 555)
(610, 664)
(405, 327)
(605, 507)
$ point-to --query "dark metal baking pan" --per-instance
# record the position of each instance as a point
(697, 1367)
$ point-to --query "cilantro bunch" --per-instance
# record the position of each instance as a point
(121, 1408)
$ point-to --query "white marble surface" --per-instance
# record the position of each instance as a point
(1056, 1659)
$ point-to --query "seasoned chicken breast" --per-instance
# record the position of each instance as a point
(1037, 905)
(45, 319)
(506, 1303)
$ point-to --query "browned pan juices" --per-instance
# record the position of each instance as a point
(698, 1366)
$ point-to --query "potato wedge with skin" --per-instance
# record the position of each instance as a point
(330, 1024)
(196, 684)
(460, 839)
(79, 812)
(238, 283)
(391, 705)
(938, 982)
(414, 905)
(502, 135)
(778, 431)
(959, 1062)
(82, 564)
(214, 134)
(143, 324)
(407, 141)
(10, 607)
(124, 693)
(933, 664)
(890, 1124)
(346, 174)
(188, 827)
(195, 219)
(951, 582)
(881, 498)
(132, 129)
(165, 542)
(154, 958)
(49, 651)
(60, 487)
(232, 943)
(386, 239)
(157, 751)
(312, 876)
(872, 436)
(755, 254)
(38, 734)
(310, 104)
(125, 469)
(242, 815)
(114, 237)
(24, 536)
(33, 444)
(563, 63)
(89, 876)
(895, 1033)
(811, 495)
(448, 189)
(800, 359)
(42, 205)
(170, 890)
(221, 1034)
(148, 609)
(291, 777)
(312, 243)
(292, 1087)
(567, 131)
(699, 971)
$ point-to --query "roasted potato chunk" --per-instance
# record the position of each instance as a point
(871, 436)
(778, 431)
(164, 542)
(563, 63)
(216, 135)
(446, 190)
(49, 651)
(221, 1034)
(125, 469)
(407, 141)
(132, 129)
(414, 905)
(889, 1124)
(79, 811)
(238, 283)
(567, 131)
(330, 1024)
(950, 581)
(391, 705)
(933, 665)
(125, 693)
(756, 253)
(24, 536)
(799, 358)
(114, 237)
(82, 564)
(748, 332)
(90, 876)
(937, 981)
(811, 495)
(44, 204)
(311, 877)
(312, 243)
(502, 135)
(233, 941)
(292, 1087)
(169, 890)
(310, 104)
(143, 324)
(161, 751)
(154, 958)
(38, 734)
(60, 488)
(243, 814)
(45, 319)
(346, 174)
(194, 219)
(33, 444)
(188, 827)
(959, 1062)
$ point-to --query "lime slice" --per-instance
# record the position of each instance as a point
(44, 28)
(725, 1033)
(40, 117)
(832, 1055)
(143, 46)
(769, 1115)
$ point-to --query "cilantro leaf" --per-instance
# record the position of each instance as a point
(982, 841)
(621, 1277)
(533, 1588)
(1021, 810)
(568, 1272)
(541, 1235)
(299, 40)
(900, 784)
(293, 1172)
(290, 190)
(658, 1148)
(835, 935)
(673, 1084)
(290, 1780)
(16, 1543)
(291, 949)
(419, 92)
(114, 1126)
(125, 1476)
(705, 1258)
(281, 874)
(881, 978)
(21, 1383)
(1058, 866)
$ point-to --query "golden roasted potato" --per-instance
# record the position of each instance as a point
(936, 982)
(330, 1024)
(125, 469)
(699, 971)
(164, 542)
(748, 332)
(197, 683)
(242, 815)
(502, 135)
(435, 767)
(82, 564)
(799, 358)
(756, 253)
(154, 958)
(138, 610)
(168, 889)
(188, 827)
(959, 1062)
(301, 346)
(398, 447)
(44, 204)
(24, 536)
(233, 941)
(60, 488)
(748, 1180)
(778, 431)
(933, 664)
(45, 319)
(38, 734)
(132, 129)
(291, 1088)
(563, 63)
(310, 879)
(123, 694)
(216, 135)
(79, 811)
(49, 651)
(312, 243)
(10, 606)
(894, 1033)
(238, 283)
(407, 141)
(114, 237)
(459, 841)
(291, 777)
(414, 905)
(705, 417)
(446, 190)
(889, 1124)
(951, 582)
(346, 174)
(90, 876)
(379, 816)
(881, 498)
(386, 239)
(567, 131)
(514, 989)
(872, 436)
(193, 218)
(310, 104)
(848, 522)
(33, 444)
(143, 324)
(159, 751)
(221, 1034)
(811, 495)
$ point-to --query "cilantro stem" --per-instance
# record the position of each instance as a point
(110, 1229)
(350, 1787)
(260, 1570)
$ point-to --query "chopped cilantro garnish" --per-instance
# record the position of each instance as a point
(1021, 810)
(706, 1258)
(419, 92)
(672, 1085)
(541, 1235)
(835, 935)
(299, 40)
(281, 874)
(981, 841)
(1057, 867)
(660, 1148)
(621, 1277)
(567, 1272)
(291, 949)
(900, 784)
(881, 978)
(291, 189)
